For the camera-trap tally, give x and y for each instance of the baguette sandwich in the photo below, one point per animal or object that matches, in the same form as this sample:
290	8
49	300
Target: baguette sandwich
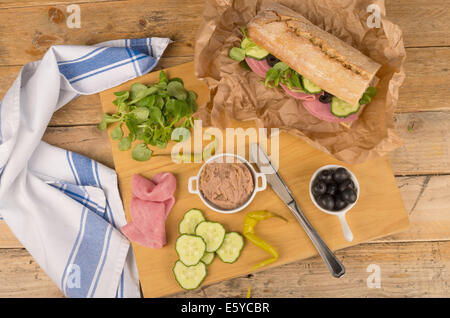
332	78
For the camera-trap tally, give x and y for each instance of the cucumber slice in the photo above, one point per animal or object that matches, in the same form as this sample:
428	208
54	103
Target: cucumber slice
237	54
256	52
231	248
208	258
340	108
310	87
189	277
190	220
246	43
190	249
212	232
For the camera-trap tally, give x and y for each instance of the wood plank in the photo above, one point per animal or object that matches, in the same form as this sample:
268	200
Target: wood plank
407	270
21	276
99	22
33	3
426	86
427	144
427	201
423	22
42	26
420	269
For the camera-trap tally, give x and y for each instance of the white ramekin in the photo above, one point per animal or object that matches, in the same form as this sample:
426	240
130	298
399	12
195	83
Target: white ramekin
341	214
223	158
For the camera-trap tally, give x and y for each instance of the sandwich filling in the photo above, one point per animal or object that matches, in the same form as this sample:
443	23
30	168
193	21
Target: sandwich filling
277	73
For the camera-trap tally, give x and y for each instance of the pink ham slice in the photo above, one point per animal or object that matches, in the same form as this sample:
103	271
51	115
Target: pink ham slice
310	102
150	205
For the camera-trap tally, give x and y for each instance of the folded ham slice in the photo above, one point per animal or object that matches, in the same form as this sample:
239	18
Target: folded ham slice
150	205
310	101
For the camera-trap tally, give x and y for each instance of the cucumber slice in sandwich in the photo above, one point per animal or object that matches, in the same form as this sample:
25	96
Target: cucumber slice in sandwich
213	233
208	258
231	248
340	108
310	87
189	277
247	43
252	50
256	52
190	220
190	249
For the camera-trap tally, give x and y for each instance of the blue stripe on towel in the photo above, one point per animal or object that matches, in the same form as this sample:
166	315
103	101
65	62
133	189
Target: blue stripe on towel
83	168
105	58
140	45
110	68
93	249
80	229
89	254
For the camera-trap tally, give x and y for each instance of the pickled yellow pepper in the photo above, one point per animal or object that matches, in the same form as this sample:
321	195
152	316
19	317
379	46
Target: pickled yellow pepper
250	221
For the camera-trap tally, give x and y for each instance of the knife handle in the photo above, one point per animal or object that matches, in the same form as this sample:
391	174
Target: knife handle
334	265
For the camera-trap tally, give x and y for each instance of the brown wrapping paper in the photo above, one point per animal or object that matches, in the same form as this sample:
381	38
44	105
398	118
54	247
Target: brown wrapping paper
238	94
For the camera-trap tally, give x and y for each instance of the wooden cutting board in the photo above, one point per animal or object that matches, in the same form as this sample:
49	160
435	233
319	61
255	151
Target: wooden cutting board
378	212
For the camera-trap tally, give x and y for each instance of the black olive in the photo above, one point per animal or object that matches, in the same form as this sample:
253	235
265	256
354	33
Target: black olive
340	175
348	195
332	188
319	188
325	98
326	201
339	204
326	176
346	184
272	60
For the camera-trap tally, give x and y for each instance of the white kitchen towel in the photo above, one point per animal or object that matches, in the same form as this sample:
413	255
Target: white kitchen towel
63	207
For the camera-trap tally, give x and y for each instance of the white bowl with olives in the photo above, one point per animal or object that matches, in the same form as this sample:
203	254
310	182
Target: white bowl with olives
335	190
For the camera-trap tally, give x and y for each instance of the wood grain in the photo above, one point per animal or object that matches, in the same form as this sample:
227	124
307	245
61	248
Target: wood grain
103	20
33	3
427	143
423	22
407	270
420	269
37	30
21	276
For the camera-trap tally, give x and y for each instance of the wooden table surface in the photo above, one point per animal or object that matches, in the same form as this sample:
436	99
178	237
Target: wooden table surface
415	263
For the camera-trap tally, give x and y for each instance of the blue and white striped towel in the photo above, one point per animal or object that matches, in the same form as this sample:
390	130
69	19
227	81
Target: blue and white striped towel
63	207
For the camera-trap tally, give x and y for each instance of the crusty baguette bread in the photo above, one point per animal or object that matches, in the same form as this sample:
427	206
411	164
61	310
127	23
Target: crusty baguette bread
329	62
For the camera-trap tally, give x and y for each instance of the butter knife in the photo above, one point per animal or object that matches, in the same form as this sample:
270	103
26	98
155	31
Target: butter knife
260	158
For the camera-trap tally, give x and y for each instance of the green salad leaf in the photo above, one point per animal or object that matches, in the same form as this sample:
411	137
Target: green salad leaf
141	152
370	93
151	114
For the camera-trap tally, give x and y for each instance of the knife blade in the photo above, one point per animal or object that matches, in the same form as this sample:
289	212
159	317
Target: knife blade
262	161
